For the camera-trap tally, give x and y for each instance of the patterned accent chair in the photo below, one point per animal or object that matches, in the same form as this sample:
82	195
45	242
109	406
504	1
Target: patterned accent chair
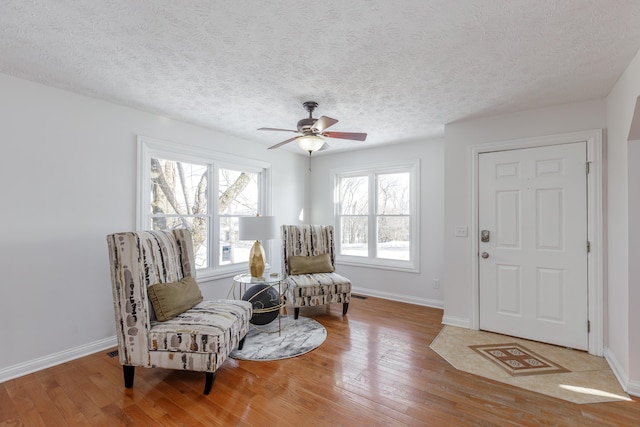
199	339
317	288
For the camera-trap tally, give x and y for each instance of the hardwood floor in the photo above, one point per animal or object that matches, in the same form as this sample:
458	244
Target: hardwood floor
375	368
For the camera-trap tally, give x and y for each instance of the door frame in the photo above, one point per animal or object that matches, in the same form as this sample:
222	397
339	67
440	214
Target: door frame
595	223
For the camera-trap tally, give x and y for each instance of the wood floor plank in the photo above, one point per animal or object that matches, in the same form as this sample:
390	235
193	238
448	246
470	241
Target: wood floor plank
63	402
138	416
8	411
18	392
375	369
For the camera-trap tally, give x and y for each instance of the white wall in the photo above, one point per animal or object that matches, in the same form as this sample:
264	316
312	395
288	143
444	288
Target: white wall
459	137
633	301
68	178
623	235
401	286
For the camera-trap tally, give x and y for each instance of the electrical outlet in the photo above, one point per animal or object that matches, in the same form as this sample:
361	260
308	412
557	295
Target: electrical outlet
461	231
436	283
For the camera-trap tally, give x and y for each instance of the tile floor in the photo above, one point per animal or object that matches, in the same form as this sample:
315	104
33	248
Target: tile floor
589	380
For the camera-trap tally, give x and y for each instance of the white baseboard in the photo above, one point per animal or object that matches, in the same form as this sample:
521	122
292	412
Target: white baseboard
633	388
44	362
630	386
618	371
398	297
456	321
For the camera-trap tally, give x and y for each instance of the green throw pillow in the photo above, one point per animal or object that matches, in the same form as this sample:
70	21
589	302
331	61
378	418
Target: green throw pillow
310	264
171	299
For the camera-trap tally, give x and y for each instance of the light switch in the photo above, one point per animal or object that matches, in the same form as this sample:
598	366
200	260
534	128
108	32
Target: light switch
461	231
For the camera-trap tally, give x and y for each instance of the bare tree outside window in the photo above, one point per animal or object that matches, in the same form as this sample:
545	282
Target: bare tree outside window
179	199
237	196
393	216
354	215
381	200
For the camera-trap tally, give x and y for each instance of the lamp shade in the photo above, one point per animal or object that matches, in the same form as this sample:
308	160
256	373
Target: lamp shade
310	143
257	228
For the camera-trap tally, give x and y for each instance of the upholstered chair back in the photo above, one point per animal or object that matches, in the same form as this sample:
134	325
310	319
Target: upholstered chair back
306	240
311	286
139	260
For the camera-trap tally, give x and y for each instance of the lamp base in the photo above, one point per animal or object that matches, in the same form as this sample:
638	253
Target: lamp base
256	260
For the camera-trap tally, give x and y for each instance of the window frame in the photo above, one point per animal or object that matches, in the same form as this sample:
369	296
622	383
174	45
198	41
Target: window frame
371	260
149	148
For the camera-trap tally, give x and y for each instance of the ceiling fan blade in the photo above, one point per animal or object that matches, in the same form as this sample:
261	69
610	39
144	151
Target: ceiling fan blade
276	129
355	136
280	144
322	123
324	147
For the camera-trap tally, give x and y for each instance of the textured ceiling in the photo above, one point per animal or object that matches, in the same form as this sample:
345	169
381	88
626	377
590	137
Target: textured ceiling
398	70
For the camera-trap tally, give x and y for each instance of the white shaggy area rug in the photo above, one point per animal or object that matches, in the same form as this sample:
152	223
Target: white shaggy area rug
296	337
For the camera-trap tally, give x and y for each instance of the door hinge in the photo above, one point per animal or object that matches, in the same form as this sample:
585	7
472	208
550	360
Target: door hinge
588	167
588	326
588	246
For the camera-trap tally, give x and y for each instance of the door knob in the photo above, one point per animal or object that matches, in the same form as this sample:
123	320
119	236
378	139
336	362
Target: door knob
484	255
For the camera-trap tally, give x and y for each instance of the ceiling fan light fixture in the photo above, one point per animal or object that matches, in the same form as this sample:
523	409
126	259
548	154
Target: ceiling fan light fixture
312	130
310	143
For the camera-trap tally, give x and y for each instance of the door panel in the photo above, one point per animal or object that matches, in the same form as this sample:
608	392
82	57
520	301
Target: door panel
508	289
534	282
549	217
508	211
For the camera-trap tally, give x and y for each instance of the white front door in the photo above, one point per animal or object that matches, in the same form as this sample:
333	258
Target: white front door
533	263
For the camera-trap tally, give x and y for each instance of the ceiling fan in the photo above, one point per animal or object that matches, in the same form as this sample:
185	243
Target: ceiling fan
312	130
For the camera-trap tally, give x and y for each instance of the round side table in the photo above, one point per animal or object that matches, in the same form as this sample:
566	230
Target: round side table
260	292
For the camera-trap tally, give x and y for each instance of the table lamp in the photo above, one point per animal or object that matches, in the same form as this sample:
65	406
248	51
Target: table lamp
257	228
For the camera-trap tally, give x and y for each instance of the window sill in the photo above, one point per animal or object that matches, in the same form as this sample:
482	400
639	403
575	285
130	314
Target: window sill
210	274
378	265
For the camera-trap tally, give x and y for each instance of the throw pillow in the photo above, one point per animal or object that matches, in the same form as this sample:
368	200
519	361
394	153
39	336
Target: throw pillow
170	299
310	264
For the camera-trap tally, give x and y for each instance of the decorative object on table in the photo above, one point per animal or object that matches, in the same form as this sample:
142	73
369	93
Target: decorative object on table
297	338
267	300
257	228
161	319
266	303
308	259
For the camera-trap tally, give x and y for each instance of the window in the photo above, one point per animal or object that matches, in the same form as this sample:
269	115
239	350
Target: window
376	216
206	192
237	196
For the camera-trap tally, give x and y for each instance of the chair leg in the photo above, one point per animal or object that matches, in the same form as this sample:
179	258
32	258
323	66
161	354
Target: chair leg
128	372
345	307
296	312
241	343
209	378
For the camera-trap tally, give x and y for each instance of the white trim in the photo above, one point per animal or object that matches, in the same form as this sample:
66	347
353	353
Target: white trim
208	274
456	321
197	152
152	147
149	147
616	367
595	231
54	359
373	263
633	388
398	297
